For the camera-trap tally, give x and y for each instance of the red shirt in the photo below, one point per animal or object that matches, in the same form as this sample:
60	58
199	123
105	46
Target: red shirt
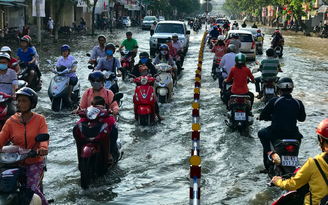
239	85
25	31
173	51
13	60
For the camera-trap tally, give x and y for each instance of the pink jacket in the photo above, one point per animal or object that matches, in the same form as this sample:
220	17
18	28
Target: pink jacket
219	51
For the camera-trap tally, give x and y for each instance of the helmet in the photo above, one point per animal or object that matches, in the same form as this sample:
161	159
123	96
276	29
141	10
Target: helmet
102	36
65	48
31	94
128	33
285	83
322	129
27	40
175	35
143	68
110	46
236	35
240	58
96	75
164	46
27	36
231	48
168	39
143	55
215	27
277	31
258	30
5	49
221	38
5	55
270	52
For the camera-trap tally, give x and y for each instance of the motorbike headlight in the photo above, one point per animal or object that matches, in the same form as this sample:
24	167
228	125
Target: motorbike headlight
143	81
8	158
59	78
92	113
151	97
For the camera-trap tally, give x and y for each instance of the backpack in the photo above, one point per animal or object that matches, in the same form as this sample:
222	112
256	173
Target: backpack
324	200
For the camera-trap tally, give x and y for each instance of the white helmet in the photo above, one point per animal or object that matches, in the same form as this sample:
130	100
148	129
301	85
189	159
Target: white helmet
221	38
5	49
5	55
175	35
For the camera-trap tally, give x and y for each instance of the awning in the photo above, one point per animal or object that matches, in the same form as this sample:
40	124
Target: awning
322	9
21	4
6	4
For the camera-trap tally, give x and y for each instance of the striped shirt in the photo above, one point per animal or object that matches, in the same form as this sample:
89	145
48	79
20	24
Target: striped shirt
269	68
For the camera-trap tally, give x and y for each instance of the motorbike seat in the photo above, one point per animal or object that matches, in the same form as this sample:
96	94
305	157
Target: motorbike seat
93	131
240	96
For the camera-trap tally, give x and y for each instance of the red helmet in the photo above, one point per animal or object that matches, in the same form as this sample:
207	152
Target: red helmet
258	30
27	36
322	129
277	31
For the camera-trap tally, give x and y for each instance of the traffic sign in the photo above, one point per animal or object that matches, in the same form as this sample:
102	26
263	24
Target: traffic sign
207	7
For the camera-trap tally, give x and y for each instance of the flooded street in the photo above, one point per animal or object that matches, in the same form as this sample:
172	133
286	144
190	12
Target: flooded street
155	165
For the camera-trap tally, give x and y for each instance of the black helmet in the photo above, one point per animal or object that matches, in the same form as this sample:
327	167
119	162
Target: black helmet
31	94
231	48
110	46
96	75
102	36
285	83
270	52
168	39
128	33
143	55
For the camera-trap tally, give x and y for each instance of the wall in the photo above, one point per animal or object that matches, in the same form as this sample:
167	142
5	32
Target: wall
15	16
67	16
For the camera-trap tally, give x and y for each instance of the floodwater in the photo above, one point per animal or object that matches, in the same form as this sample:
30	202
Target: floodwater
155	165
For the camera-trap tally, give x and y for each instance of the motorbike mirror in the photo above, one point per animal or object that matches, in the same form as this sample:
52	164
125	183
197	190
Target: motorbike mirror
188	32
90	67
117	46
88	54
14	65
42	137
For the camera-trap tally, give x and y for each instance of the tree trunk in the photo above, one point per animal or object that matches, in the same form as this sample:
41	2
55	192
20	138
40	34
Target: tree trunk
304	27
93	16
58	11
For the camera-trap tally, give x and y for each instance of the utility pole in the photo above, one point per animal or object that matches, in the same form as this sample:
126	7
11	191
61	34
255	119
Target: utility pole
38	21
140	12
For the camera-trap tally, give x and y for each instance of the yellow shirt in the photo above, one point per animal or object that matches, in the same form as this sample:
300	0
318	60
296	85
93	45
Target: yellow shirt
309	173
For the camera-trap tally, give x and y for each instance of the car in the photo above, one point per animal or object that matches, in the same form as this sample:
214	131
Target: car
161	18
165	29
126	21
220	22
148	22
248	46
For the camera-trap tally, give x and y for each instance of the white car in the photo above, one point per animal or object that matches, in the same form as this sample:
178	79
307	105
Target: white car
161	18
126	21
248	46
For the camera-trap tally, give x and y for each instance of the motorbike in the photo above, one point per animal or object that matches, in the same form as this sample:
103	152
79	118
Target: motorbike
23	76
324	32
212	42
239	114
191	24
58	86
13	175
144	99
259	47
196	27
126	62
94	62
93	143
4	100
269	89
216	71
10	35
278	49
164	88
80	29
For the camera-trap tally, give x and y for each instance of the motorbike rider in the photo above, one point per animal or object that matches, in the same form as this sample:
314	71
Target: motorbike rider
98	51
152	28
12	60
34	49
178	45
8	82
259	36
97	79
66	60
254	25
276	41
284	112
269	68
309	172
174	53
226	25
165	57
130	44
144	60
235	40
21	129
214	33
235	26
227	62
239	73
219	48
26	54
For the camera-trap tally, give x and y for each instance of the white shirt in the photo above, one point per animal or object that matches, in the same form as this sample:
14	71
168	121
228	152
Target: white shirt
227	62
51	24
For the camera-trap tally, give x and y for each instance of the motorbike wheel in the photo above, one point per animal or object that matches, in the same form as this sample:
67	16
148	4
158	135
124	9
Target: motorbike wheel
162	99
144	120
85	173
55	105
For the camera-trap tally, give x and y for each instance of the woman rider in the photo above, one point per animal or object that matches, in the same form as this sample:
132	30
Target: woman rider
21	129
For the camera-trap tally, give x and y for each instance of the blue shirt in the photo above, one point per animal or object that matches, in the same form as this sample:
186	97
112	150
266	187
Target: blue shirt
7	81
62	62
106	64
97	52
25	56
215	33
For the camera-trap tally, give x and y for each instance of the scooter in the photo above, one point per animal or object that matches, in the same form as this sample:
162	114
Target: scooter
278	49
196	28
164	88
93	143
269	89
4	100
126	62
259	47
216	72
36	82
13	175
58	86
212	42
144	99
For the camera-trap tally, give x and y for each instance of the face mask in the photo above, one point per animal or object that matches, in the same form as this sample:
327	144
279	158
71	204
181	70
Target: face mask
109	52
143	60
163	52
96	85
3	66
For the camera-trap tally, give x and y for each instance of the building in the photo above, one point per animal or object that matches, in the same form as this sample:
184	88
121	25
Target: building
12	12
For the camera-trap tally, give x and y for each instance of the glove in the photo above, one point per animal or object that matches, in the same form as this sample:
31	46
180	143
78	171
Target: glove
131	80
158	78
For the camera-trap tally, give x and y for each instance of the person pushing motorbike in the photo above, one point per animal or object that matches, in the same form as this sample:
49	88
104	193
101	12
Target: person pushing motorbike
284	112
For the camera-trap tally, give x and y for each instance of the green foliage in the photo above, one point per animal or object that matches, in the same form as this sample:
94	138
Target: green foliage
167	6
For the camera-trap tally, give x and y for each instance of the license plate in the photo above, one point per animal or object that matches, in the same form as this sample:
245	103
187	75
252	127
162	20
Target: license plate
277	51
240	116
289	161
269	90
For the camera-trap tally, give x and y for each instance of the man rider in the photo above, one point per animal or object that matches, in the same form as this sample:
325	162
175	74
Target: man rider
8	82
130	44
226	25
98	51
235	41
276	40
110	63
214	33
254	25
178	45
269	68
227	62
284	112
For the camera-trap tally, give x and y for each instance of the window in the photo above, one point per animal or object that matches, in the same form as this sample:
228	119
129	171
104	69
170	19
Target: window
169	28
150	18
